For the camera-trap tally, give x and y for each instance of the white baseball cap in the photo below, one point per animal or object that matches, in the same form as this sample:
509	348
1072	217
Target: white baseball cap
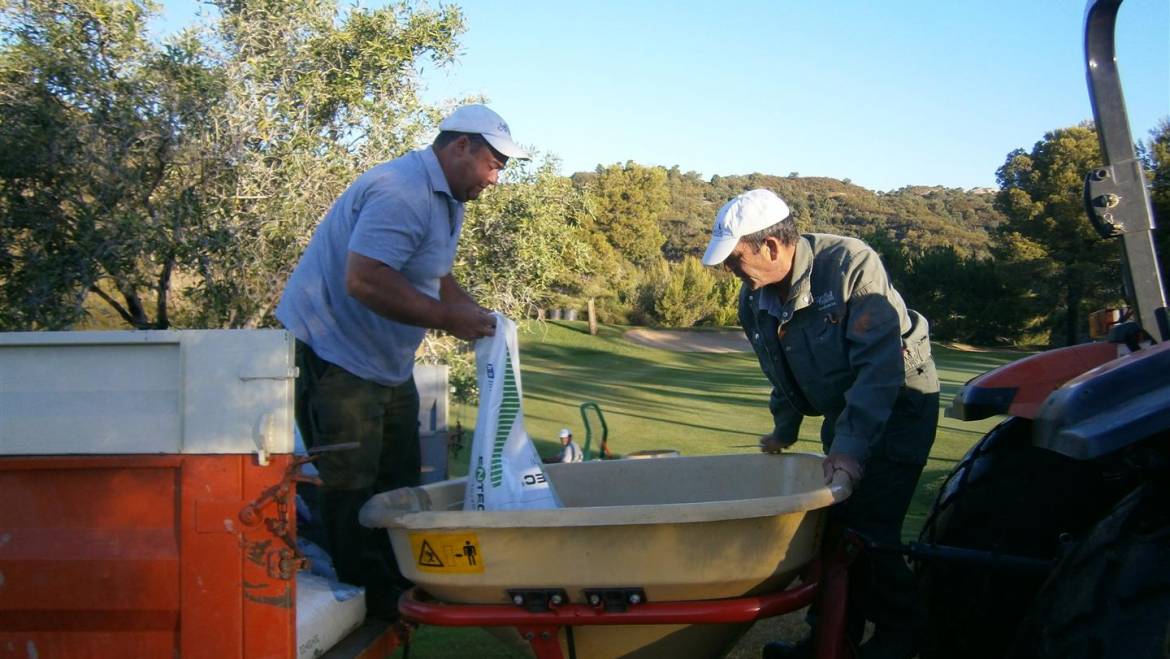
565	433
752	211
481	119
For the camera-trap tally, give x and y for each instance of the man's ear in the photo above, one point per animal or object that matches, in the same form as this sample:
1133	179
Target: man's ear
772	244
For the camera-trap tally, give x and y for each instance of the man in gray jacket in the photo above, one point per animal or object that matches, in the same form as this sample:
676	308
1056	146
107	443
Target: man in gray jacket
836	340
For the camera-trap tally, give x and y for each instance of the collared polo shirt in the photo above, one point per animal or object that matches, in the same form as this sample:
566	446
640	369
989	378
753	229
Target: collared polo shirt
401	213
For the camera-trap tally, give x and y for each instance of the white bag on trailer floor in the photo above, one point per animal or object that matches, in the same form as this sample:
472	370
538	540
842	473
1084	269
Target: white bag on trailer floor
326	612
504	471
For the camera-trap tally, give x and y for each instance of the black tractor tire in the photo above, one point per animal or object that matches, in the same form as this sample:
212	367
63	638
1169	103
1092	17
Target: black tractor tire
1110	597
1006	496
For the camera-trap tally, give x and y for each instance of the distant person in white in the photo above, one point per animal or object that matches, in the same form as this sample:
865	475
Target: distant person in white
570	452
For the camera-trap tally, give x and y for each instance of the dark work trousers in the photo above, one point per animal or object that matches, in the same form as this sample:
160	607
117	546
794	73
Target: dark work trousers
333	406
881	586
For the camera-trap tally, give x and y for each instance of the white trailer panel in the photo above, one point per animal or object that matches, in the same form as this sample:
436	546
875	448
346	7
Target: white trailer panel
187	391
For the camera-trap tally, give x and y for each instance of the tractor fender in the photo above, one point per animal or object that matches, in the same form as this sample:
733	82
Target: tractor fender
1019	388
1108	407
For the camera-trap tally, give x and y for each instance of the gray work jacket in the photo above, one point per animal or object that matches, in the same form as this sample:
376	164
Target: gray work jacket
842	344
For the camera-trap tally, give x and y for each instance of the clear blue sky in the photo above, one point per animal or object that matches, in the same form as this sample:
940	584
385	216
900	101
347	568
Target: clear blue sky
886	93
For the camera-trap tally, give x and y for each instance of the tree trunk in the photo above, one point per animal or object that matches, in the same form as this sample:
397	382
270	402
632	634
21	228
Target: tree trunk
163	291
592	319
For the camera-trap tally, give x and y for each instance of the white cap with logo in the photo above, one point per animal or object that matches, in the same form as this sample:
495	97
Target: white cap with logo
481	119
565	433
752	211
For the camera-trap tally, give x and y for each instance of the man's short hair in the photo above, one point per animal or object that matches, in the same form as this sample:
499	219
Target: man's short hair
784	231
477	142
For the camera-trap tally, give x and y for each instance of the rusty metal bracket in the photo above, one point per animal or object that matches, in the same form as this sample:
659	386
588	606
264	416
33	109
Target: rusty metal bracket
284	562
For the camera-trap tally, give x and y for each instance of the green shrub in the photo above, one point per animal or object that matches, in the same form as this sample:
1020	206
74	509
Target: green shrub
726	313
688	294
647	290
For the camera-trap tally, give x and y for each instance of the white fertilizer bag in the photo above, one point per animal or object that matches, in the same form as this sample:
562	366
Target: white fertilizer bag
505	471
326	612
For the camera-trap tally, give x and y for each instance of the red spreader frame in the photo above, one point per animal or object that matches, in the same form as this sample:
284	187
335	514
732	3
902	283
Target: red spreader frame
823	584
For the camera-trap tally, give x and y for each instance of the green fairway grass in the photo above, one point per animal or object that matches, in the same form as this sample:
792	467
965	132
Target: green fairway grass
696	403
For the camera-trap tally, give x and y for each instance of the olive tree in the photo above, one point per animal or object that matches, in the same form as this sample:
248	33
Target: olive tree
313	96
130	169
101	185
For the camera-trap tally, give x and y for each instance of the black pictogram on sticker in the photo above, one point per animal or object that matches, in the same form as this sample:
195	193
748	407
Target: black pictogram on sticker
428	557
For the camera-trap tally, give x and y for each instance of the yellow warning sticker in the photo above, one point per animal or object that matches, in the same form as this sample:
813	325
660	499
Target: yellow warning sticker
447	552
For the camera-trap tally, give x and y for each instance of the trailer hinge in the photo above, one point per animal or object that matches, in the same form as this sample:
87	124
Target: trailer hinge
267	432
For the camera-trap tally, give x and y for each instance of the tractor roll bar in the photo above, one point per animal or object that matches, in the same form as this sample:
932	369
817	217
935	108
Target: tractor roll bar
1116	197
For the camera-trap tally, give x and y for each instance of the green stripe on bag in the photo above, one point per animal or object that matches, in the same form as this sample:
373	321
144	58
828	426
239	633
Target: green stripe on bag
509	408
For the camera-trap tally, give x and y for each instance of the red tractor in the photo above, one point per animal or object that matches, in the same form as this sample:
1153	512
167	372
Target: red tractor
1051	538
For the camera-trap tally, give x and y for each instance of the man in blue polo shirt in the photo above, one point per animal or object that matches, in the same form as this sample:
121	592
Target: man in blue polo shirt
375	276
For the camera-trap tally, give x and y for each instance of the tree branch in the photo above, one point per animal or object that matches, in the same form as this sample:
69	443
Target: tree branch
113	303
137	312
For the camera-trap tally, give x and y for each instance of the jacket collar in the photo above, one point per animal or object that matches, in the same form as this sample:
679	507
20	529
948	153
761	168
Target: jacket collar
802	265
799	294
